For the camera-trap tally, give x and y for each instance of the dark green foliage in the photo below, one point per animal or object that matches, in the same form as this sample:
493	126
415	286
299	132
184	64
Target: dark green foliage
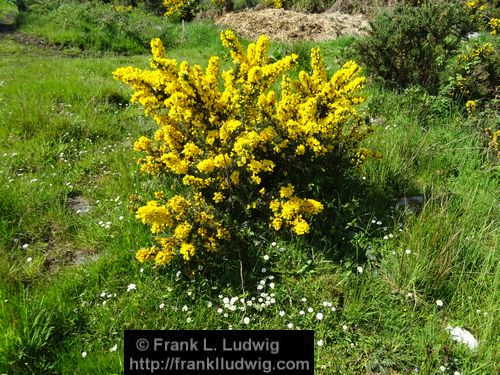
474	73
410	44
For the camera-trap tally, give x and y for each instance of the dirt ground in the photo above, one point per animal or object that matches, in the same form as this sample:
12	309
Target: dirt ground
288	25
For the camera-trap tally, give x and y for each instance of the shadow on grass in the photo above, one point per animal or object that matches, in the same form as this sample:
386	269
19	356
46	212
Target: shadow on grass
340	234
8	24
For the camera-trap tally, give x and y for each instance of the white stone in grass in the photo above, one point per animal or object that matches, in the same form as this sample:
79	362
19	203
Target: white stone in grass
462	335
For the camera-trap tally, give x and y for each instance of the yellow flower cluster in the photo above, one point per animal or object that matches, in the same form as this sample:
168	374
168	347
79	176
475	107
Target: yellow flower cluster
485	14
192	226
465	80
293	211
173	6
483	50
476	5
234	145
494	140
494	25
471	107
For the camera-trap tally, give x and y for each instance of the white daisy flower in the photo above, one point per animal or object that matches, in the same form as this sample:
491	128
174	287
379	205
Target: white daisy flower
131	287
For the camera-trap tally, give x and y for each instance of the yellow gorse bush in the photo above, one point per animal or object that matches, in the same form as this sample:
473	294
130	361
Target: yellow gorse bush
236	144
174	6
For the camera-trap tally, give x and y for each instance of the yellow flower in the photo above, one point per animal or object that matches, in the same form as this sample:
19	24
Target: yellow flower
163	257
145	254
494	25
287	191
311	206
155	215
235	177
218	197
183	230
276	223
187	251
300	150
471	106
300	227
191	150
206	165
274	205
142	144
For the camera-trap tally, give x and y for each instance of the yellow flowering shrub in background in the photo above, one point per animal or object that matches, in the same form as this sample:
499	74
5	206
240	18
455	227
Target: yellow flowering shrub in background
473	74
241	150
183	9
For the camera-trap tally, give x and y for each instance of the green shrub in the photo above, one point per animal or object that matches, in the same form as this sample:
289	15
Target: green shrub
410	44
474	73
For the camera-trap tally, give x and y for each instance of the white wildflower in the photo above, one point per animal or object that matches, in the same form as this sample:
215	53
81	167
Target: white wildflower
131	287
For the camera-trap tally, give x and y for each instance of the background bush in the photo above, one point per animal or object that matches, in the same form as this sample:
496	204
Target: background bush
409	44
474	73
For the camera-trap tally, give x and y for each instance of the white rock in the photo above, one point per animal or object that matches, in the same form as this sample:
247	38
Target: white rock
462	335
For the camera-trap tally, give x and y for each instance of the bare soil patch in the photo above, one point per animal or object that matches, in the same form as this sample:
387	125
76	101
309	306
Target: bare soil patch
288	25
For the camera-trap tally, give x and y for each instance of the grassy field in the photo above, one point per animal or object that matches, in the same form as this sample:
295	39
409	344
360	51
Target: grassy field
69	185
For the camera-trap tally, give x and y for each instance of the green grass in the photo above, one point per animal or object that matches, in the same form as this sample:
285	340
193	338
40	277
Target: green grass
66	131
